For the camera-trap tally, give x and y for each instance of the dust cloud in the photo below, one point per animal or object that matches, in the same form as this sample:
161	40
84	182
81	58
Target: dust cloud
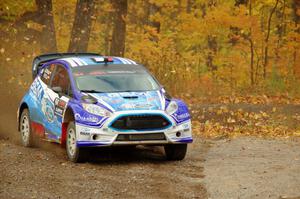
10	99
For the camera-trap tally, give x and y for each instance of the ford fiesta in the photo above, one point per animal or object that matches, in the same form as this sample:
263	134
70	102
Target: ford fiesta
86	100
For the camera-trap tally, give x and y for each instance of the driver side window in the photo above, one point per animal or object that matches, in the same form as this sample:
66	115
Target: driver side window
61	79
47	73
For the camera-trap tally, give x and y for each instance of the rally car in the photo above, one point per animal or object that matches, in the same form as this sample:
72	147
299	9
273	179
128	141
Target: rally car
85	100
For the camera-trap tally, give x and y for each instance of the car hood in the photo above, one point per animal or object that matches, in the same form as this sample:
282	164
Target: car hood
146	100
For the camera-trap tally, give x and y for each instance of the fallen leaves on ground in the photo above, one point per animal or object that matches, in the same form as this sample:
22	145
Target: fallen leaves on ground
221	121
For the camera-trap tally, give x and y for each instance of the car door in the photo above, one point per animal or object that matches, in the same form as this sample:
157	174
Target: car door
58	94
38	88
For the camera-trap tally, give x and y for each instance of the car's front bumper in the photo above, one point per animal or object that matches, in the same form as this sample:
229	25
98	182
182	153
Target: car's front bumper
104	135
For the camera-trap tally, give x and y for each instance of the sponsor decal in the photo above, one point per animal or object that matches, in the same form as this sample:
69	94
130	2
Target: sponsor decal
150	99
186	126
47	109
94	73
78	74
84	133
121	72
105	98
183	116
127	106
185	130
59	106
113	95
143	106
138	106
116	101
37	89
86	119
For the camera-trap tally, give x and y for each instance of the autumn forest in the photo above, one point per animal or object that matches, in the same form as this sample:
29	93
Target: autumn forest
193	46
234	63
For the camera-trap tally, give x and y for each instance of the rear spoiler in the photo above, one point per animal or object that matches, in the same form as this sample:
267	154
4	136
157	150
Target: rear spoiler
41	59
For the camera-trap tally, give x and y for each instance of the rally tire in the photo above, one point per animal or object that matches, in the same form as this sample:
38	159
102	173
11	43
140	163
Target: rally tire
74	153
175	151
27	137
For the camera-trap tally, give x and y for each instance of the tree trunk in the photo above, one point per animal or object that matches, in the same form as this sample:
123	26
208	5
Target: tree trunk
213	48
212	43
281	30
296	9
251	49
48	38
266	56
241	2
82	26
117	47
189	5
151	10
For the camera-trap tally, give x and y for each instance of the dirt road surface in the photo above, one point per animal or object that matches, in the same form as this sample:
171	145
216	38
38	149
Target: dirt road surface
142	173
253	168
240	168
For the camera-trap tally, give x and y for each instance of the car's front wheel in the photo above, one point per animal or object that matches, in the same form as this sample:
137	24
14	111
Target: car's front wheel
25	129
75	153
175	151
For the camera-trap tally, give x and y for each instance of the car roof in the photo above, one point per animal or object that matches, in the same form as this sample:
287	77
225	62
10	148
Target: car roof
80	61
111	67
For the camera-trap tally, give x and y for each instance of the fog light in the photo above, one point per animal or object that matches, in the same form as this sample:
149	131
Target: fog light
95	137
178	134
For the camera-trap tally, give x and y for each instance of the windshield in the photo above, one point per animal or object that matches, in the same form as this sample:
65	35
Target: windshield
112	81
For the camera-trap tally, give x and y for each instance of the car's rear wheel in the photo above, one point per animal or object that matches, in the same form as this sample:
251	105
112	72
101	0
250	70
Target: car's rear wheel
25	129
75	153
175	151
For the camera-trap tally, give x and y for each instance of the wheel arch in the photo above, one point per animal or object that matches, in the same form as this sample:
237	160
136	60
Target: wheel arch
22	107
68	117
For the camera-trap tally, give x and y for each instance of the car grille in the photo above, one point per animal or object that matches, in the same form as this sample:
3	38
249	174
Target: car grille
141	137
141	122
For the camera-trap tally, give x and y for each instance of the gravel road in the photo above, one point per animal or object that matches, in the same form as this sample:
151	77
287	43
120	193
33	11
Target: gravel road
238	168
141	173
253	168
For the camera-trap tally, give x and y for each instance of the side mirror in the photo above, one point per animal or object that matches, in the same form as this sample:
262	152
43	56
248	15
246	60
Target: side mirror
57	89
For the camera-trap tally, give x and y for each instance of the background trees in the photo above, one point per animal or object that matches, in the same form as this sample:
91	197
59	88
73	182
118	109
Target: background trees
205	46
117	47
82	26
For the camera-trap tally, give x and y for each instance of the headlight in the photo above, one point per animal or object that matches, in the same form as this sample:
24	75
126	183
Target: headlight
96	110
172	108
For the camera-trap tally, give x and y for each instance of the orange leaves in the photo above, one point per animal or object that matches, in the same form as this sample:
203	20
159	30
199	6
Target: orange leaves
262	116
242	123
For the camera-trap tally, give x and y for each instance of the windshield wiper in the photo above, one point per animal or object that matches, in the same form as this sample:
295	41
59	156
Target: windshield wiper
91	91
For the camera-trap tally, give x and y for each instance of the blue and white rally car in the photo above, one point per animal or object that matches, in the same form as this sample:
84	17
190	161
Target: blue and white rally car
84	100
